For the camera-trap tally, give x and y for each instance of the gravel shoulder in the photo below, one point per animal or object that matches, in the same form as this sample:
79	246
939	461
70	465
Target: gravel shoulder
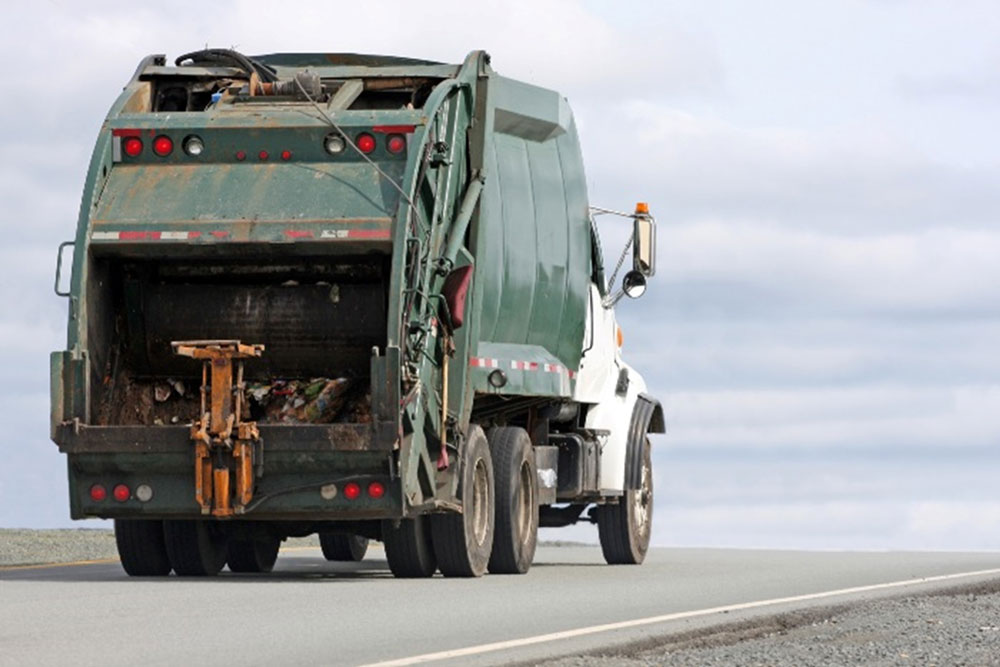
957	626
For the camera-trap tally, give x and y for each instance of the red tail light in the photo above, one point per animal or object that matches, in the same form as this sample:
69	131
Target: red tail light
376	489
163	145
121	493
352	490
366	142
132	146
98	493
396	143
263	155
286	155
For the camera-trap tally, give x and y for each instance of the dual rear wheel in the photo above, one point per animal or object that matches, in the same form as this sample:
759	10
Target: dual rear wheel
498	527
150	548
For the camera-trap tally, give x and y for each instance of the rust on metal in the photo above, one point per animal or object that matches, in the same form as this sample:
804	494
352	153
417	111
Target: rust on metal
223	468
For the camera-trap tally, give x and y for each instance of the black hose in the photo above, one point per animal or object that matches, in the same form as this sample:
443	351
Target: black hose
230	58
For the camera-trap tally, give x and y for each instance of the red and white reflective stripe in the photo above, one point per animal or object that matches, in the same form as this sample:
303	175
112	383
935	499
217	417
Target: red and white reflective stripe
326	234
354	234
483	362
136	235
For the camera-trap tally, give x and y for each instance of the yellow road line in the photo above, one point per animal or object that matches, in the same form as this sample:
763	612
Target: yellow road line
72	563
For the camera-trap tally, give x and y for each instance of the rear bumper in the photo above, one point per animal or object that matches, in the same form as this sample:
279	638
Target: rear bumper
298	461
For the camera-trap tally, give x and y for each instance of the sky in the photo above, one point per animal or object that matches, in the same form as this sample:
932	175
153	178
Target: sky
823	325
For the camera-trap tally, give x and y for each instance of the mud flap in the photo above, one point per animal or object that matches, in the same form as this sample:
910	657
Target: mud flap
647	417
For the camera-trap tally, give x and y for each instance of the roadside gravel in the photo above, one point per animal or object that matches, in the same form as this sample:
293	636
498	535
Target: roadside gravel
960	628
35	547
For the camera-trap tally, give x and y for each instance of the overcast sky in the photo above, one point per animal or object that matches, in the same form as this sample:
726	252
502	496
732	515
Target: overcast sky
823	326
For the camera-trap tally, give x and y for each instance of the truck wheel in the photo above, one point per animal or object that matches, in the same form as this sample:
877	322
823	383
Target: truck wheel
195	548
340	547
625	528
252	555
516	530
141	547
463	542
408	548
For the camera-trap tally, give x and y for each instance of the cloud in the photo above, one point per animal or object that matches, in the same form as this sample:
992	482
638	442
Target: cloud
848	179
868	417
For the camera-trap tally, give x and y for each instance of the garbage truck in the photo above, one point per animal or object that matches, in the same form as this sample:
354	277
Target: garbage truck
356	296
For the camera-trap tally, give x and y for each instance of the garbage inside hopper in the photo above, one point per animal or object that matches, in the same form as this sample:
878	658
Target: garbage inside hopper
178	401
315	401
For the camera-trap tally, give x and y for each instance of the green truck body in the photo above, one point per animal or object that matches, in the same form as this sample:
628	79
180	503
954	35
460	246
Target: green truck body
419	230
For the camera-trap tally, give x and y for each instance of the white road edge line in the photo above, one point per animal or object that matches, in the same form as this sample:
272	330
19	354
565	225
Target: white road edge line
607	627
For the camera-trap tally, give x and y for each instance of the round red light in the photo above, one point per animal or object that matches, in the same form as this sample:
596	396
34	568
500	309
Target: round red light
396	143
352	490
163	145
132	146
366	142
376	489
121	493
98	492
263	156
286	155
241	155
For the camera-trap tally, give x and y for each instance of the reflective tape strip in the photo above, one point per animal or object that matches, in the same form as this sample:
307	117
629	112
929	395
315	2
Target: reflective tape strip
483	362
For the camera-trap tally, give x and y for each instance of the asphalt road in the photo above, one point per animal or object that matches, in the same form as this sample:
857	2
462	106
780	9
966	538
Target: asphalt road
309	611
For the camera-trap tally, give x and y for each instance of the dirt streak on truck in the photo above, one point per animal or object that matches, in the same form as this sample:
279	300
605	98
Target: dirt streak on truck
359	296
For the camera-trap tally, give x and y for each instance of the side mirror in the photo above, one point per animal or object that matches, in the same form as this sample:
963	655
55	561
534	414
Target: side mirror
634	284
644	245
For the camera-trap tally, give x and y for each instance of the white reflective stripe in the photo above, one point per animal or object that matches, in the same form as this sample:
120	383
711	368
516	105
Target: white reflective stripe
333	234
665	618
174	236
104	236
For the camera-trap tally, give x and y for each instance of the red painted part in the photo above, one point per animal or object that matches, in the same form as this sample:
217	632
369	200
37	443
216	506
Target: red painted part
298	234
126	133
394	129
138	236
456	286
220	235
368	234
193	235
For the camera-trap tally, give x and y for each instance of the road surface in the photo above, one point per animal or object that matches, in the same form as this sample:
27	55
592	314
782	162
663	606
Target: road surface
310	611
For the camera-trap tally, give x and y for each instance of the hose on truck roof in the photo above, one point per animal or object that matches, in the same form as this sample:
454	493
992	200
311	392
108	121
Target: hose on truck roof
228	57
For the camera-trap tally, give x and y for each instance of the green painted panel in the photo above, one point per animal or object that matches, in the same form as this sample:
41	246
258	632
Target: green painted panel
532	237
296	192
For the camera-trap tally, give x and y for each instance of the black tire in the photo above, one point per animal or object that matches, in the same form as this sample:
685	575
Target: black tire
463	542
195	548
625	528
343	547
408	548
252	555
515	533
141	547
